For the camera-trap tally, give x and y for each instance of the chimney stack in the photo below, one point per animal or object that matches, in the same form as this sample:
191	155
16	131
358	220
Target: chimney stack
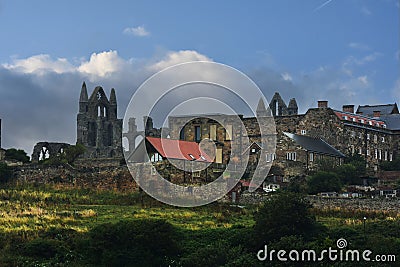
377	113
322	104
348	108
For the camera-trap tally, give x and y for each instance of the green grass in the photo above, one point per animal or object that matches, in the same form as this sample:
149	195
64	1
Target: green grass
61	218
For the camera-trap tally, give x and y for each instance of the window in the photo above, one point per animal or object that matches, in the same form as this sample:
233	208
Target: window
197	133
360	150
386	156
303	132
253	150
311	157
383	139
391	157
375	138
370	123
196	174
376	153
367	152
345	117
270	157
191	156
354	119
213	132
380	154
291	156
352	149
368	136
182	134
384	125
202	157
360	135
218	155
155	157
362	121
228	132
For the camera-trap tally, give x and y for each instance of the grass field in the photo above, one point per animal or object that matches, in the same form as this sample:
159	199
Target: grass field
47	217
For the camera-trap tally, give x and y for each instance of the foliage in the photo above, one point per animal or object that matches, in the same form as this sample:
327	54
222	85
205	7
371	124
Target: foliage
284	214
73	152
16	154
323	182
391	165
358	162
60	226
5	172
145	242
347	174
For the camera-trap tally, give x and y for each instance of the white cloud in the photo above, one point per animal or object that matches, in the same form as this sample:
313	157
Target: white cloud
173	58
136	31
363	80
350	62
103	64
40	64
359	46
365	11
286	76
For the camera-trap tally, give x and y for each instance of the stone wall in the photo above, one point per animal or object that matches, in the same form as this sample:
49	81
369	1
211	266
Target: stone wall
104	178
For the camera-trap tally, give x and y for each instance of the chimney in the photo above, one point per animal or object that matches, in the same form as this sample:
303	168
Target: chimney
322	104
348	108
377	113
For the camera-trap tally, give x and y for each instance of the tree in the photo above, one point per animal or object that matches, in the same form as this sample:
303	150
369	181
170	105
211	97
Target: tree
323	182
73	152
347	173
5	172
359	163
391	165
284	214
16	154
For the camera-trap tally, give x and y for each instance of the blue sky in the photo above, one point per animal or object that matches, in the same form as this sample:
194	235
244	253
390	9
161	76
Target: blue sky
344	51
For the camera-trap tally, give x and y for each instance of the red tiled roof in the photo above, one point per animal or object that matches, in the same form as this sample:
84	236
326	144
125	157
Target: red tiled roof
178	149
358	118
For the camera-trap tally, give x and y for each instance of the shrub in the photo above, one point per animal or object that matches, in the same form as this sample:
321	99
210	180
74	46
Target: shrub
135	242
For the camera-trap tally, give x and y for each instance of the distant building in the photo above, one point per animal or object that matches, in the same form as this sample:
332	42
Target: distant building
98	127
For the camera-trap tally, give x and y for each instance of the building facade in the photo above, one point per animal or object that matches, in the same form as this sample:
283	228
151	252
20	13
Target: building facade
98	127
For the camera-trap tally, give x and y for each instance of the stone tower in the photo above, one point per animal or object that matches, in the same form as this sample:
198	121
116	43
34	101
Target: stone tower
98	127
279	108
292	107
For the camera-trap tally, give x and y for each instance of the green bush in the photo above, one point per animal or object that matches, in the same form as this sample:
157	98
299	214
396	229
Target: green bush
16	154
285	214
132	243
323	182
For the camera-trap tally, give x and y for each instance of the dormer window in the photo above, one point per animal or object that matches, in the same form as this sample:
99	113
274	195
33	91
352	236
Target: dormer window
202	157
354	119
303	132
370	123
361	121
190	155
345	117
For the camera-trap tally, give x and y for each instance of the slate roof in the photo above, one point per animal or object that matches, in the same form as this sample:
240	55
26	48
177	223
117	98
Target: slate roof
392	121
384	109
178	149
316	145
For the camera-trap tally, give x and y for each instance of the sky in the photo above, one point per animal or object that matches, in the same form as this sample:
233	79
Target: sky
343	51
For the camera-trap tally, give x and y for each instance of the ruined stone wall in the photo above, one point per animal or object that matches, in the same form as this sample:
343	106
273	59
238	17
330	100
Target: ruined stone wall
105	178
